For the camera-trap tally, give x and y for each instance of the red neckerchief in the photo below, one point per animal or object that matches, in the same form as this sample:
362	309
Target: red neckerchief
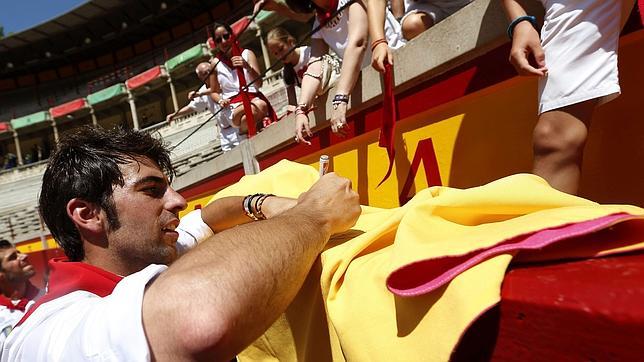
31	292
389	116
66	277
325	15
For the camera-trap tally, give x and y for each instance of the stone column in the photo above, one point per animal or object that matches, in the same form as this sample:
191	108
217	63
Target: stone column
135	117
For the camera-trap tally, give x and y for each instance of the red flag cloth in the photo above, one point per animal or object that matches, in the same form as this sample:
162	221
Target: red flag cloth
67	108
325	15
248	111
145	77
66	277
640	5
389	116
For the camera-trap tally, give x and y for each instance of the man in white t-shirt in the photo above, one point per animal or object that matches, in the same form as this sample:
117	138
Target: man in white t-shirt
201	100
575	59
18	294
107	200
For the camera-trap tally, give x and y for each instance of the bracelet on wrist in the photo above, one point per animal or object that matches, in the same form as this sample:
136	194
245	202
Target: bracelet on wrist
339	99
377	42
252	206
515	22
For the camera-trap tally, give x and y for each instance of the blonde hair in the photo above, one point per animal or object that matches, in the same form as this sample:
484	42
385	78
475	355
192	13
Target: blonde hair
280	34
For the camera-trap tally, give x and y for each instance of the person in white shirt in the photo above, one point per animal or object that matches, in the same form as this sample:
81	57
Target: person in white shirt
347	35
18	293
123	294
201	100
279	41
574	55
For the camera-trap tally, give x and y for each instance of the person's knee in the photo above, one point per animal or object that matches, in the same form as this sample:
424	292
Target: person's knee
415	24
551	137
260	108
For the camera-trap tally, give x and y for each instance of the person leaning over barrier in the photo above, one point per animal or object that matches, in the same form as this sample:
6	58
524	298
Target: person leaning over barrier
201	100
347	35
108	202
575	58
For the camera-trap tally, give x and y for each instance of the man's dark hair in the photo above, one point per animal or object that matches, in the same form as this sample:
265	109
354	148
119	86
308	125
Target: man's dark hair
301	6
5	244
85	165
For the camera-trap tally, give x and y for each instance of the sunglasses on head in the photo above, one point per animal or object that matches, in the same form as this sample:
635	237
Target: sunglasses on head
219	39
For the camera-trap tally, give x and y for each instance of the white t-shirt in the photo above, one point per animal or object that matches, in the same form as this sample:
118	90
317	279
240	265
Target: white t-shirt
228	80
229	136
336	32
303	62
9	318
82	326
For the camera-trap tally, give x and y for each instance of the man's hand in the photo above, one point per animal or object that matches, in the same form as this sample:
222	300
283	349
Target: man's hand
381	55
192	95
526	43
333	202
169	117
302	128
338	120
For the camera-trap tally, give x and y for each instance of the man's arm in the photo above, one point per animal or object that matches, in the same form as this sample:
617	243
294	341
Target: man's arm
526	43
187	109
228	212
222	295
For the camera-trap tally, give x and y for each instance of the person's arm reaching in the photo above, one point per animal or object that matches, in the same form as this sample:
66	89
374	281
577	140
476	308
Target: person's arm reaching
280	8
310	84
351	61
381	53
223	294
187	109
526	43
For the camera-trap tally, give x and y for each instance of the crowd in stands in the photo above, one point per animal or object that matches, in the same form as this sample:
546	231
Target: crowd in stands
108	202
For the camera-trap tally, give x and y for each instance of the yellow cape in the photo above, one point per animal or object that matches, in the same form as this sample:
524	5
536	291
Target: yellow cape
344	310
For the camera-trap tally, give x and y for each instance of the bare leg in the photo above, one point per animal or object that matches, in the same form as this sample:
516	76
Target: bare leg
259	108
415	24
558	143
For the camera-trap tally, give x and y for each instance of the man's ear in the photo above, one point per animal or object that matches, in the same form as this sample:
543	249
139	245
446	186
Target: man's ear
85	215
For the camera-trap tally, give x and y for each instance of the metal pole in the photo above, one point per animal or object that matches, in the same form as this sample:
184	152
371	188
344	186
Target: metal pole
173	94
135	117
53	125
93	114
267	58
17	143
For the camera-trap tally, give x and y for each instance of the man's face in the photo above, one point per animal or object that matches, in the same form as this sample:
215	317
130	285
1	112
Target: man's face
15	265
148	213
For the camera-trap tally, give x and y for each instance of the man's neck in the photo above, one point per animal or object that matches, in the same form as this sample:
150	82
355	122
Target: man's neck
15	290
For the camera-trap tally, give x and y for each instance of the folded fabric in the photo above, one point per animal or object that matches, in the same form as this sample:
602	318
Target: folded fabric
405	283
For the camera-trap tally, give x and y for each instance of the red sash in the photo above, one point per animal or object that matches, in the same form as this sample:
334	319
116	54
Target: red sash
31	292
389	116
66	277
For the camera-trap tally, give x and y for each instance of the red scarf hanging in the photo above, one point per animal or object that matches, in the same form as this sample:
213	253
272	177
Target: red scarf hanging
243	95
66	277
236	50
31	292
389	116
324	15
